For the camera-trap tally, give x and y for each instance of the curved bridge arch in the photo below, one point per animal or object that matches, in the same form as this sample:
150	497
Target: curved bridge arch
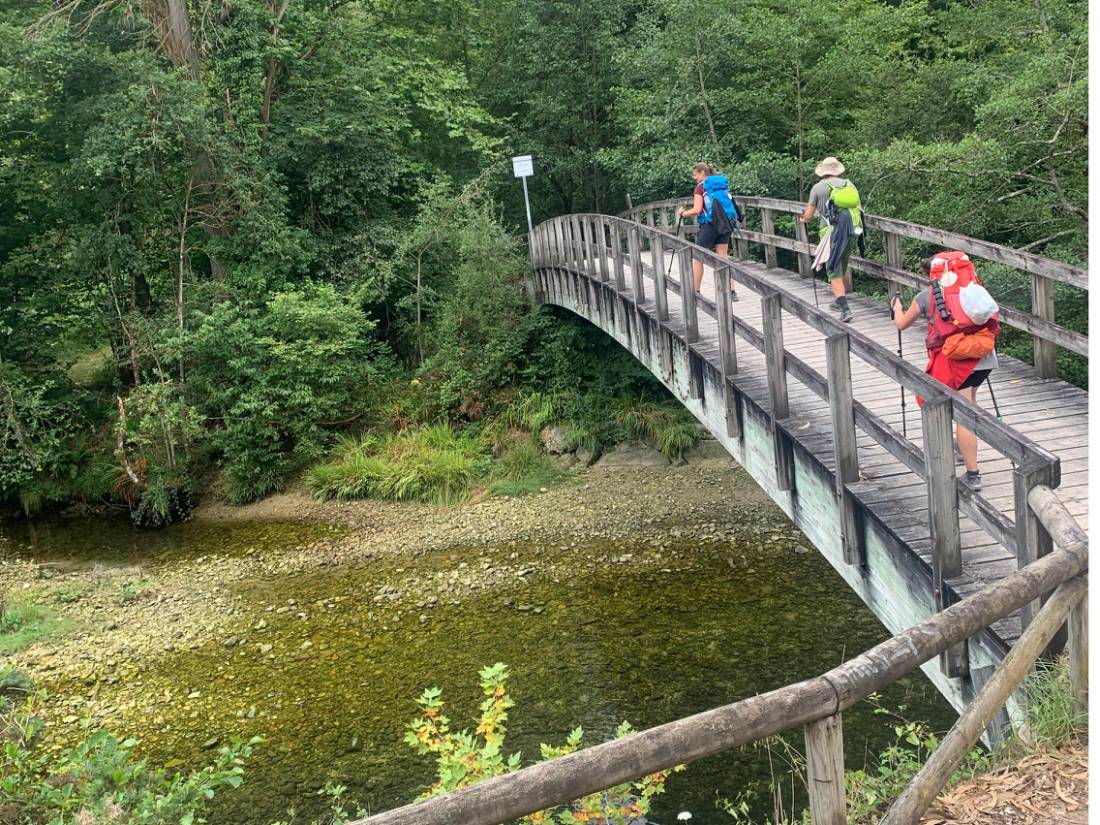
872	487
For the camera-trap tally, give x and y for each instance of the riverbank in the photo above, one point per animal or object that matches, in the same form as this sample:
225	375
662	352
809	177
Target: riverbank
628	592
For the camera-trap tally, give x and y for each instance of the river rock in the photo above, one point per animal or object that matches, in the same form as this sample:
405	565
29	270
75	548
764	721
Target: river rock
632	454
585	456
553	439
708	451
565	460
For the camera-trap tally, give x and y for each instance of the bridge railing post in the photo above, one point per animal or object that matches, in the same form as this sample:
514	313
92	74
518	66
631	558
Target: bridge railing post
775	358
727	353
804	259
637	277
1042	305
893	257
600	233
1032	539
767	226
688	296
617	255
578	242
660	288
845	449
943	515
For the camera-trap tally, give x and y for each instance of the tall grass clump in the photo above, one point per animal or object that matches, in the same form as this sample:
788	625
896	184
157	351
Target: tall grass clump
523	468
666	426
1052	715
433	464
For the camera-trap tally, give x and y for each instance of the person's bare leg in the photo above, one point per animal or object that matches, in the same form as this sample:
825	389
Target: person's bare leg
837	285
723	249
968	442
697	274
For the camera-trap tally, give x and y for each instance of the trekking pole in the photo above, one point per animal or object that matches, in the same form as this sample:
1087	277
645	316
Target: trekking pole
679	220
894	302
996	409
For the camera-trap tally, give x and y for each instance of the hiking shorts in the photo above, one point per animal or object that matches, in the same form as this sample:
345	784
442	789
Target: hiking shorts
852	243
975	379
708	238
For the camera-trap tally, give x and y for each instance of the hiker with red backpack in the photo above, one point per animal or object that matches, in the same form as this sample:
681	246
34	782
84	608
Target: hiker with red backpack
963	326
716	212
836	202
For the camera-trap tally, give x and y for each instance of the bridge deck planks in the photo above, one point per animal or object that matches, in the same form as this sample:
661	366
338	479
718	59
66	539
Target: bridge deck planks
1050	411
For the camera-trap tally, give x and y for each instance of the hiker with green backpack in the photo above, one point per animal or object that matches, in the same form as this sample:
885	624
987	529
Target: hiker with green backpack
836	202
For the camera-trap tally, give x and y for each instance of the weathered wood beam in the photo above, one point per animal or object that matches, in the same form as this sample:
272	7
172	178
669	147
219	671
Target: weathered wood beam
825	771
1010	673
845	450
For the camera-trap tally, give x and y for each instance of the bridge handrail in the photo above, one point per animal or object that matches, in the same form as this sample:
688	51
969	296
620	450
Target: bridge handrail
1013	445
816	703
1039	323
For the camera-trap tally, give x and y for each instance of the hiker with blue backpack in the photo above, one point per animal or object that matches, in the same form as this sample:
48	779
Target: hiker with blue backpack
836	202
716	213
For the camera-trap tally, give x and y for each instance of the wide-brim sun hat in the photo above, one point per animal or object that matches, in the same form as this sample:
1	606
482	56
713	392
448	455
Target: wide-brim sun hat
829	166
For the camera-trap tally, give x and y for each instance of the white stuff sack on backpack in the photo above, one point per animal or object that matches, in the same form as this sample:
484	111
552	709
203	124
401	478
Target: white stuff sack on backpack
977	303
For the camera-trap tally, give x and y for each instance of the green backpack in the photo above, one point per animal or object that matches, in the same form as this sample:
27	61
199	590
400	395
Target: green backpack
845	196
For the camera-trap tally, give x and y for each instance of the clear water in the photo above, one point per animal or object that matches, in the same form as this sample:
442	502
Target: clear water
611	642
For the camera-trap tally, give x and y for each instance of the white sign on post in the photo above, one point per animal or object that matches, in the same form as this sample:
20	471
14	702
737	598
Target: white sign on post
523	167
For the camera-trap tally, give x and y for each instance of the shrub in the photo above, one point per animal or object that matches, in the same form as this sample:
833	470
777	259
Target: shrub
101	781
665	425
523	468
276	377
465	758
432	464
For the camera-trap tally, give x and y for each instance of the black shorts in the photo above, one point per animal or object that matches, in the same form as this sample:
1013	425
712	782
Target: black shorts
708	238
975	379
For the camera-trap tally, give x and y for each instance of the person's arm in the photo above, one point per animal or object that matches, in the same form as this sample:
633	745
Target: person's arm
906	319
696	208
808	213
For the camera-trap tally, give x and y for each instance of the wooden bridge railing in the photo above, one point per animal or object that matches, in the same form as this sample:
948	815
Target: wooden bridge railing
1047	335
817	704
591	251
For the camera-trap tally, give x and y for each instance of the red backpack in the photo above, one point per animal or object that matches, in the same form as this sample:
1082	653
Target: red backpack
963	319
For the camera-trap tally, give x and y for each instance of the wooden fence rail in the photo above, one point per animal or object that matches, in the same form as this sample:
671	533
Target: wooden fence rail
1047	335
811	702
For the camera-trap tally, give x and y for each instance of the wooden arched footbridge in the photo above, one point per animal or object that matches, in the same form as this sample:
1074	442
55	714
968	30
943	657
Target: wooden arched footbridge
810	407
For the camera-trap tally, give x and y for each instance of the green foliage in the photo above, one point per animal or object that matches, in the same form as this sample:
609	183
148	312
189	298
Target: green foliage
274	375
101	781
23	622
1052	715
464	758
666	425
523	468
433	464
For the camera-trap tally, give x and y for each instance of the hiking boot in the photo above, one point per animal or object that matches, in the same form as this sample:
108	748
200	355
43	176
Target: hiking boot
845	314
733	295
972	480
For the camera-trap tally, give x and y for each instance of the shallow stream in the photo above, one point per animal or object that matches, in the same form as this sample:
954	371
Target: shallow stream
326	664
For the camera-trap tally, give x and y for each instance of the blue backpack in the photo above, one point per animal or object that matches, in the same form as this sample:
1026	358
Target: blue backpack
716	188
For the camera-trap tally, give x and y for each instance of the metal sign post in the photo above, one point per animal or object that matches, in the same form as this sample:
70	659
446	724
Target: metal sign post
523	167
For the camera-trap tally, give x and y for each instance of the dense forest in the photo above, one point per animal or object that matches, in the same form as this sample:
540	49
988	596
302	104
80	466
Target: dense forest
234	231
